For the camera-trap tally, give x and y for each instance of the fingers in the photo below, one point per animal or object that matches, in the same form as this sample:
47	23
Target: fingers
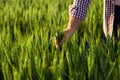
62	40
58	39
56	43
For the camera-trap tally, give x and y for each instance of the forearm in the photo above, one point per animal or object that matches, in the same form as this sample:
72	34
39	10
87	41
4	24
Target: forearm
73	25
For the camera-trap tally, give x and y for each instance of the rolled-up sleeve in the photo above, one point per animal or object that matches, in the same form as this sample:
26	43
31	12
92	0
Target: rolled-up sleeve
79	8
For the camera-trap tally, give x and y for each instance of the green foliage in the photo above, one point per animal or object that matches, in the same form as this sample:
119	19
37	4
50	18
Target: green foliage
27	51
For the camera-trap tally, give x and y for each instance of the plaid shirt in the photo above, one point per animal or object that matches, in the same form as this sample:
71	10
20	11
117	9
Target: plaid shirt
79	10
108	17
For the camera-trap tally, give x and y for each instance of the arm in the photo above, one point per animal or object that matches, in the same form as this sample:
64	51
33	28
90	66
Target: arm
73	25
78	12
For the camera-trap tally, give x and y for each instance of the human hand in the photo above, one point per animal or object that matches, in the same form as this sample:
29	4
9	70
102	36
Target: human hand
58	40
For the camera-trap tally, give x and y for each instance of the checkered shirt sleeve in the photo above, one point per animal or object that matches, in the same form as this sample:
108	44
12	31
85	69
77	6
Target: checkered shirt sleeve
109	9
79	8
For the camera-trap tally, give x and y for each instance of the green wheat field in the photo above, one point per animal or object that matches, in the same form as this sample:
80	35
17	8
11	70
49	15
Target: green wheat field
27	51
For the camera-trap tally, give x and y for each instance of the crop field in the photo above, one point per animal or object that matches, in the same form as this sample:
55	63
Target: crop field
27	51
